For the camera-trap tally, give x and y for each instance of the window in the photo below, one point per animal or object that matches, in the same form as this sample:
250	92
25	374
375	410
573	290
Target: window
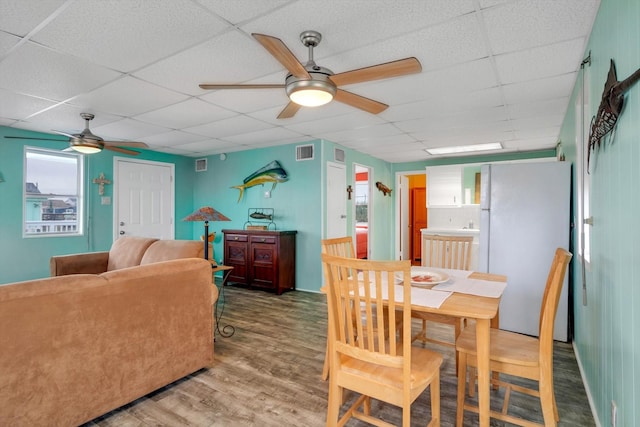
583	121
52	193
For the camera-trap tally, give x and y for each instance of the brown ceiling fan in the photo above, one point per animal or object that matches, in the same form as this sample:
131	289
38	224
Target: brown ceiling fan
86	142
312	85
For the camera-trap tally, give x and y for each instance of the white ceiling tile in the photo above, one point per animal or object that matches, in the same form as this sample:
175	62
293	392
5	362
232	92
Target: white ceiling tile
354	119
17	107
360	133
373	142
541	62
275	134
232	57
7	41
191	112
128	129
238	11
7	122
21	16
550	132
526	24
129	96
537	90
248	100
173	138
137	35
226	127
37	71
66	118
556	106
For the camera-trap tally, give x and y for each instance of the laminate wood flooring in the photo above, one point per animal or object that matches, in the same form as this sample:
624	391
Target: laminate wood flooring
268	374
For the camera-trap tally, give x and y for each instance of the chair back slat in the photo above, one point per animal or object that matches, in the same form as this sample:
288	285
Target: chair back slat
443	251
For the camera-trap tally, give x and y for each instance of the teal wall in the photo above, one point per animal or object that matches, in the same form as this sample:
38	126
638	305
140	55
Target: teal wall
607	329
28	258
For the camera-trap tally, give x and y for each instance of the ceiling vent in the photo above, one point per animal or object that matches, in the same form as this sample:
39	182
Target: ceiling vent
201	165
338	155
304	152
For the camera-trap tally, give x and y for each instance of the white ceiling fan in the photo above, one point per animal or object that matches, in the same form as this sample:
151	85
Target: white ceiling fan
86	142
312	85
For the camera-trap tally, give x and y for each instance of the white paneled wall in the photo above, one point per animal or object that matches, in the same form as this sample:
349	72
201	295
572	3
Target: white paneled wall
454	217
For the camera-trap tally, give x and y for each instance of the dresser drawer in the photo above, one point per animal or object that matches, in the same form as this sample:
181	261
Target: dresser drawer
236	237
268	240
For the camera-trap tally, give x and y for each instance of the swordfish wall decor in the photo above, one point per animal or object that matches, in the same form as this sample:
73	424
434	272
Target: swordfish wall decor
610	107
271	173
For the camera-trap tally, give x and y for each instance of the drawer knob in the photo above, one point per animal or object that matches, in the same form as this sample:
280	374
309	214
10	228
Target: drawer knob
235	238
263	239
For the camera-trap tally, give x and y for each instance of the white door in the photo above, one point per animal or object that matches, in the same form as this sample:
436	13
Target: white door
143	199
336	200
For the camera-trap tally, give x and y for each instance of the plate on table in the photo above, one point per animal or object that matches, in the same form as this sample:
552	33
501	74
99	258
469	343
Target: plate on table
428	278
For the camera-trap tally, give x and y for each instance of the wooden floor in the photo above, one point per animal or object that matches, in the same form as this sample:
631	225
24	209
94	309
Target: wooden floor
268	374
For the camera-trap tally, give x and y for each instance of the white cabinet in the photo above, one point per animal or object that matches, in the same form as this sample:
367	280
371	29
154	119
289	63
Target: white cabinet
444	186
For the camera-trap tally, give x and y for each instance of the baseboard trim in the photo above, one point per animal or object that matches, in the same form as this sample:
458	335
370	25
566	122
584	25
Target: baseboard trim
587	389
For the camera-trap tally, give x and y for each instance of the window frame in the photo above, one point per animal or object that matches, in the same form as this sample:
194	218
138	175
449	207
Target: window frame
79	196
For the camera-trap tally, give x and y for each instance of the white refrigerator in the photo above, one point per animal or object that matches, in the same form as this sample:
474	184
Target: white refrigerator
524	217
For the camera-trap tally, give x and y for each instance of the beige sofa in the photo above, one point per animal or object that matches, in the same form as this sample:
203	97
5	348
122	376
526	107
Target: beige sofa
79	345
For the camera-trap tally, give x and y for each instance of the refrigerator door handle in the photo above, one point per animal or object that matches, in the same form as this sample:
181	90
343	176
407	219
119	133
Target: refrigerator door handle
485	187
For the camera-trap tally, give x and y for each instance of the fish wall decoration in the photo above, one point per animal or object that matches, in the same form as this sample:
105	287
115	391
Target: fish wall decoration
271	173
385	190
610	107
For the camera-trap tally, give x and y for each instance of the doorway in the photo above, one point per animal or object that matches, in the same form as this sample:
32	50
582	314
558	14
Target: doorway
143	197
411	214
362	210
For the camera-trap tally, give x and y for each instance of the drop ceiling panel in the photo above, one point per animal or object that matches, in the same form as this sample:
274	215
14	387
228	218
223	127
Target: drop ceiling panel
232	57
527	24
537	90
128	96
127	129
7	41
541	62
266	135
556	106
18	107
137	35
38	71
238	11
67	118
248	100
172	139
20	17
191	112
232	126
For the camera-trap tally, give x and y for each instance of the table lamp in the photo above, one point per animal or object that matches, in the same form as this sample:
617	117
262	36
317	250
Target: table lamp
206	214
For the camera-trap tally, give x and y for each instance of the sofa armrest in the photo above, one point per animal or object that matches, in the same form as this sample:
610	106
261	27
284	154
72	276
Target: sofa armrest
85	263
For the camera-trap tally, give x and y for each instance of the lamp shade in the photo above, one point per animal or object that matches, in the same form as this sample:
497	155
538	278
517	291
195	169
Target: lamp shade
206	214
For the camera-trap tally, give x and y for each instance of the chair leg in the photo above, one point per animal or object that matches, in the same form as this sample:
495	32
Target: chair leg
325	366
456	331
435	401
333	406
462	379
547	401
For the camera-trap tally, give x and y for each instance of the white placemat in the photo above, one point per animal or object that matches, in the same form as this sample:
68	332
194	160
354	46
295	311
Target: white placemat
483	288
419	296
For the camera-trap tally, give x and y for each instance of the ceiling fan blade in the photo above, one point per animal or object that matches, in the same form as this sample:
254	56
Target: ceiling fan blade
289	111
35	139
357	101
377	72
125	144
211	86
281	52
121	150
64	133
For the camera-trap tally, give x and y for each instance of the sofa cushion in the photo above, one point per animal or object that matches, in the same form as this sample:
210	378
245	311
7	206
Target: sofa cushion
166	250
128	251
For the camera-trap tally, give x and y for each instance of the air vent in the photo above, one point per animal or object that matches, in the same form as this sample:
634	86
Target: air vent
201	165
304	152
338	155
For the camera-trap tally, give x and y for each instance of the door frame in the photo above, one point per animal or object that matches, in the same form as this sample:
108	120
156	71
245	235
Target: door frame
401	216
116	196
339	193
369	207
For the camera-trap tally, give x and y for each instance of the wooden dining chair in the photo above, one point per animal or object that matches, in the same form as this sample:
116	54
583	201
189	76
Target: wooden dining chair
343	247
518	355
366	356
440	251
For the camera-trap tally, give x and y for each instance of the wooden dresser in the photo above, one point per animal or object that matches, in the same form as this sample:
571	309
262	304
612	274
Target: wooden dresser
262	259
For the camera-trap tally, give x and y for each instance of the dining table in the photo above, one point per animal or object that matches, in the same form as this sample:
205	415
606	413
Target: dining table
473	295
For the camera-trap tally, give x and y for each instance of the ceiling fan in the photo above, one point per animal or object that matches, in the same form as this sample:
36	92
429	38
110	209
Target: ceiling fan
311	85
86	142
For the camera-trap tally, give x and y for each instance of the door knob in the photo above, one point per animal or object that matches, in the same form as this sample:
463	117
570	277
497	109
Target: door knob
121	223
342	216
121	232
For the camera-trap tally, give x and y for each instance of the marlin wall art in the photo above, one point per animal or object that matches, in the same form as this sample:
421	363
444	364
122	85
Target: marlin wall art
272	173
610	107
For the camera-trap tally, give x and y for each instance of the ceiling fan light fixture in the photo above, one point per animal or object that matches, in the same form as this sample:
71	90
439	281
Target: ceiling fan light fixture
86	147
311	93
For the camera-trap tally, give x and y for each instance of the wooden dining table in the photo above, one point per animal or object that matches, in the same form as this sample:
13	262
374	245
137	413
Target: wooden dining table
484	310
